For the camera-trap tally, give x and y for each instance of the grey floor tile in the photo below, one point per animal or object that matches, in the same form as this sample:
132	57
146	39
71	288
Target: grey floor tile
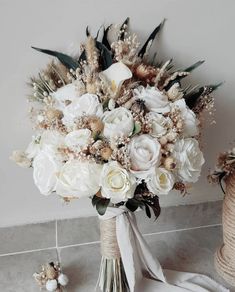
180	217
16	270
81	264
78	230
27	237
191	251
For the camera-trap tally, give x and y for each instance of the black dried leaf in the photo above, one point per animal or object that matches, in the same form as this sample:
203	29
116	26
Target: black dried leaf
94	200
150	39
192	98
221	177
194	66
87	31
82	57
105	41
153	203
66	60
123	29
106	59
147	210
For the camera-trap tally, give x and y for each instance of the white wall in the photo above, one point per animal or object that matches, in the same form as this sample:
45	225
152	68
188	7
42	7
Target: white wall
196	29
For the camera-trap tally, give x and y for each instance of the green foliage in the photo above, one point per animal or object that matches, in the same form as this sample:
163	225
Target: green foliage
66	60
101	204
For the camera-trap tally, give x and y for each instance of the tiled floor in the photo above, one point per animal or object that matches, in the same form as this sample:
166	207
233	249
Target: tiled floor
183	245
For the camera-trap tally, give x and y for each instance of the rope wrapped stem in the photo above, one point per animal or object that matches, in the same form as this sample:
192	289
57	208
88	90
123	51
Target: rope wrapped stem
225	255
112	277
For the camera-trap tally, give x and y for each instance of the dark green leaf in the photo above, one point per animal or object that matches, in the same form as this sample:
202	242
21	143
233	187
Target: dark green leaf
105	37
132	205
150	39
102	205
66	60
123	29
94	200
105	56
194	66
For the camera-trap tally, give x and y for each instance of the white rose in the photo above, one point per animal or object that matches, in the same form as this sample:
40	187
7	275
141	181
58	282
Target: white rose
49	140
144	154
189	159
63	94
154	99
87	104
161	181
79	179
78	139
45	169
118	122
159	124
191	123
117	183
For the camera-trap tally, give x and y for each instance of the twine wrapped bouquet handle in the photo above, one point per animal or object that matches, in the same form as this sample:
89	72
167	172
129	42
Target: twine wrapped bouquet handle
225	255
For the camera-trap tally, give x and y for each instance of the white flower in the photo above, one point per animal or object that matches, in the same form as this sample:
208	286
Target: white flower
51	285
63	94
191	123
49	140
118	122
189	159
45	169
144	154
154	99
79	179
175	92
117	183
78	139
161	181
63	279
159	124
87	104
20	158
117	73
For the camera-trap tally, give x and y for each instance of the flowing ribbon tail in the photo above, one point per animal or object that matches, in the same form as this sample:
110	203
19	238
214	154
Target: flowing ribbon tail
136	256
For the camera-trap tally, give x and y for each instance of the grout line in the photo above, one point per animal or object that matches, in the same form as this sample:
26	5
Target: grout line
183	229
96	242
27	251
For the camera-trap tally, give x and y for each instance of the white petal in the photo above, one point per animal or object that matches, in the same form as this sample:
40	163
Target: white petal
117	73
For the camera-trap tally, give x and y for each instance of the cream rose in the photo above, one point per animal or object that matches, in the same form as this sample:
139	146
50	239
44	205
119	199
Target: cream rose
160	182
78	139
154	99
87	104
175	92
190	127
159	124
118	122
117	183
79	179
45	169
189	159
144	154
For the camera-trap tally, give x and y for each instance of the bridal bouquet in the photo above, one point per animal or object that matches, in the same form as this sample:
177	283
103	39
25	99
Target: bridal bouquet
115	124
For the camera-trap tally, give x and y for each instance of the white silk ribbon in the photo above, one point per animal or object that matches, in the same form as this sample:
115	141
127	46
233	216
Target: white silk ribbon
143	271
